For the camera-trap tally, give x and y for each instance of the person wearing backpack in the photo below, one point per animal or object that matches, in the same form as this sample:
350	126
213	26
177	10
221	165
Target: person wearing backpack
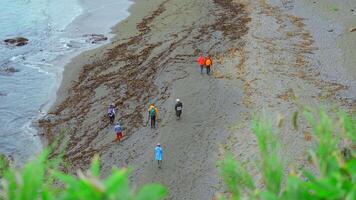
208	64
111	113
153	114
201	62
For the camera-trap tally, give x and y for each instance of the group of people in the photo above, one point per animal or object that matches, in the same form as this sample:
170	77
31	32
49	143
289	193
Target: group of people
153	112
152	116
204	63
117	127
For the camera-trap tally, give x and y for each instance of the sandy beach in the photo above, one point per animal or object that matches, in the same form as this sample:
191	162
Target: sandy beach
269	57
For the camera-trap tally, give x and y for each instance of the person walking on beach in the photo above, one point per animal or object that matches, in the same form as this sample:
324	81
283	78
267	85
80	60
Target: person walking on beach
118	131
201	62
208	64
179	108
153	114
111	113
159	155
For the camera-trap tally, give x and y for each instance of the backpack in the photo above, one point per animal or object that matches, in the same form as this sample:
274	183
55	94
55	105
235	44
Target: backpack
152	112
111	112
208	62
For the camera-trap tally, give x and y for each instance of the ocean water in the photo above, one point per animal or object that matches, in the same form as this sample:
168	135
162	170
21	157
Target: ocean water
26	95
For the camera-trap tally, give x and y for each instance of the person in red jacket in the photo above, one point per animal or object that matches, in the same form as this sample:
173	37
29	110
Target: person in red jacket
201	62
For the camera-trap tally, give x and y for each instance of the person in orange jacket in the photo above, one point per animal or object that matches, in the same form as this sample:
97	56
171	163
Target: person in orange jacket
201	62
208	64
153	115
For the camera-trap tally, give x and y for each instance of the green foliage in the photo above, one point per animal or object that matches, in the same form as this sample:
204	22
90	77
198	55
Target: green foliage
271	166
234	176
41	179
335	177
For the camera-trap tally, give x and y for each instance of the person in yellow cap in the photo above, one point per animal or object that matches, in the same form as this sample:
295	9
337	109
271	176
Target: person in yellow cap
153	115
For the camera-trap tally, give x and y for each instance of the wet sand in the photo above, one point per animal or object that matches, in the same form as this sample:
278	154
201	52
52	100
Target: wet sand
264	57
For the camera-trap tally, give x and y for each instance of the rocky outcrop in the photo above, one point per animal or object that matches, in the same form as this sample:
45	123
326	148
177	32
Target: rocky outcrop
47	119
18	41
95	38
8	70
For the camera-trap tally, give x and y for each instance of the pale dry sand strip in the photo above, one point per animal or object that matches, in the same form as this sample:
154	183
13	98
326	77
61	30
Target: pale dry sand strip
279	75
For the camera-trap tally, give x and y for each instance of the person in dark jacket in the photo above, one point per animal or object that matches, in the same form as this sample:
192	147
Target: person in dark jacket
111	113
179	108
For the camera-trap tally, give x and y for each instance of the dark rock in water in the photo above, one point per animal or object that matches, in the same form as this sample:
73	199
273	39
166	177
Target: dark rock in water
8	70
18	41
331	30
47	119
95	38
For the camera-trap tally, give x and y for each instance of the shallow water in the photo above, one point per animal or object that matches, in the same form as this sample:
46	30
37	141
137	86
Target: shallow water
26	95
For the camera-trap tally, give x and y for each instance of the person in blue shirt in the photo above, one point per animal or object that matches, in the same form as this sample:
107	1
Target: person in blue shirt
159	154
118	131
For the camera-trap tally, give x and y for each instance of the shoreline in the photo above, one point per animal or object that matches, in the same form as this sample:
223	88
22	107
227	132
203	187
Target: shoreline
265	61
34	64
72	31
43	62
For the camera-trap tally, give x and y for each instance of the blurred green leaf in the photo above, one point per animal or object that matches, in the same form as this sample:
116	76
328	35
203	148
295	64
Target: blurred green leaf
333	177
95	166
117	185
151	192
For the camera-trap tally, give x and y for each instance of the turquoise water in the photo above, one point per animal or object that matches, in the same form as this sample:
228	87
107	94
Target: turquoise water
25	95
